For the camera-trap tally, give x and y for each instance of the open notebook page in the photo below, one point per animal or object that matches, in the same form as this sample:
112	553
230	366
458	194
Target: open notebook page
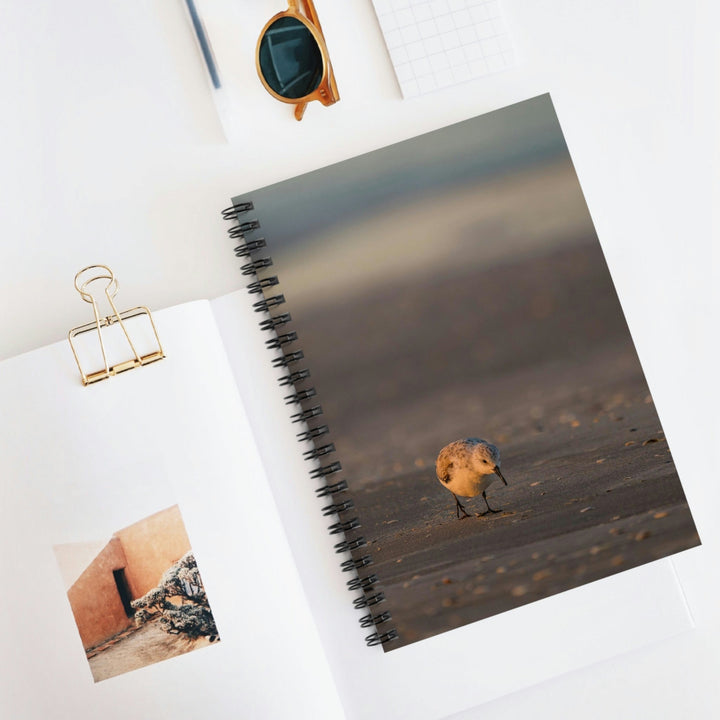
84	470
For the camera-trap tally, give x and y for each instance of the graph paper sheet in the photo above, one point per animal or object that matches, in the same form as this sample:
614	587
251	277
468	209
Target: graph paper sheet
438	43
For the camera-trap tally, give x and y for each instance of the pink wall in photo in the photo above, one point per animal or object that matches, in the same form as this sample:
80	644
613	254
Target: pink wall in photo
131	563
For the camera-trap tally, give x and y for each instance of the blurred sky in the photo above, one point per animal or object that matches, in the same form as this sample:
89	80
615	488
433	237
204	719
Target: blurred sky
495	189
516	137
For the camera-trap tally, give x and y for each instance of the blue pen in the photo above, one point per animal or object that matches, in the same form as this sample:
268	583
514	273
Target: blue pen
204	43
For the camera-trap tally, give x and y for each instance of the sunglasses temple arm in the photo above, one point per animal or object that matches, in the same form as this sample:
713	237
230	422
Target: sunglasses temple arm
309	11
300	110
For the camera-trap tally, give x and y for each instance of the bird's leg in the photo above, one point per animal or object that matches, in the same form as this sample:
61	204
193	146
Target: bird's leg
489	509
459	507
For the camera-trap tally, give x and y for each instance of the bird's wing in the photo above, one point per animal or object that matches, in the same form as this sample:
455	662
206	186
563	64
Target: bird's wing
443	467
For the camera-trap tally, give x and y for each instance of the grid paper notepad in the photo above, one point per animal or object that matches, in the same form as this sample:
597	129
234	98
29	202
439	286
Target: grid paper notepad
438	43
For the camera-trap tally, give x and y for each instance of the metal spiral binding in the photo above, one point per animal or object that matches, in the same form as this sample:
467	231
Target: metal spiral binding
327	470
351	564
319	451
343	527
252	268
350	545
300	395
294	378
369	600
337	508
288	359
266	304
307	415
244	230
275	322
280	340
232	212
238	231
249	247
359	583
314	432
369	620
327	490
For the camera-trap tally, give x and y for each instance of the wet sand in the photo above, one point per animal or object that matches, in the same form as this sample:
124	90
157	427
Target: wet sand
533	355
567	519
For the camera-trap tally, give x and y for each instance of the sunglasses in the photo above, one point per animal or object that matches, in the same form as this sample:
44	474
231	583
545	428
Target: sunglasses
292	58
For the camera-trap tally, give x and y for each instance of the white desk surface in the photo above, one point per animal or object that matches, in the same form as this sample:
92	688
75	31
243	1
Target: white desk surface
112	152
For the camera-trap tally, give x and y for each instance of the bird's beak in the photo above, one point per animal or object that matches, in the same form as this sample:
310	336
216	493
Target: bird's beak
496	470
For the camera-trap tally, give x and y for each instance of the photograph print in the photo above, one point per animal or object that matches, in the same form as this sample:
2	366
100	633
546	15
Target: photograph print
475	369
137	596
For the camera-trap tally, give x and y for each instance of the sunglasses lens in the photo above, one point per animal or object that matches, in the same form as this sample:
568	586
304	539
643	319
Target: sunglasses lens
290	59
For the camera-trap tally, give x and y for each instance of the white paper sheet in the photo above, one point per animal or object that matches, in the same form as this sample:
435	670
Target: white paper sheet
435	44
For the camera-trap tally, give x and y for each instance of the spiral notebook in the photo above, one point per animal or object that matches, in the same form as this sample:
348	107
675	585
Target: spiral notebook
452	300
449	287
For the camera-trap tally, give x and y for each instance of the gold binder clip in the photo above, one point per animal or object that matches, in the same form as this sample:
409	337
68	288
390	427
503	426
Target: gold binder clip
102	272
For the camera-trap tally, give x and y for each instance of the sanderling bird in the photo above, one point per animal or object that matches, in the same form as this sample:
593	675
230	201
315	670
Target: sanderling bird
467	468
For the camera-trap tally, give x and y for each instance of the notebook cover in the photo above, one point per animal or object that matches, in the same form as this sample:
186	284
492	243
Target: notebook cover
449	287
